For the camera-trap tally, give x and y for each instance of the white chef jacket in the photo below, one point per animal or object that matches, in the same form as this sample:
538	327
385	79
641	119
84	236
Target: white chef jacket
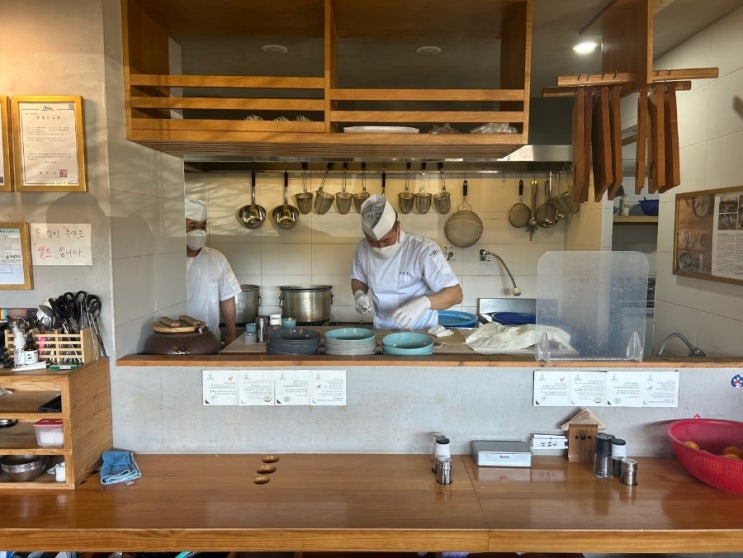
210	280
418	268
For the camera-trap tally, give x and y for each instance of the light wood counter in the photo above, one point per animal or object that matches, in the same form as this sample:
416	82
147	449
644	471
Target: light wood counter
376	503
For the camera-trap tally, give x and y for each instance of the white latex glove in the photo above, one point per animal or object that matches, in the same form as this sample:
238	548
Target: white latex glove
408	313
363	302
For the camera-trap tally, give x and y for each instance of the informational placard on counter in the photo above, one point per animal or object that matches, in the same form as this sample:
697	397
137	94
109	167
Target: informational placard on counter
606	388
274	387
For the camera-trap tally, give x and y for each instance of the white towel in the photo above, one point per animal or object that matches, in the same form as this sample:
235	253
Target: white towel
493	338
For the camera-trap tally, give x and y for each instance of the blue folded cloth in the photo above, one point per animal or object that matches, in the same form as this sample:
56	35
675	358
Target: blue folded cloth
119	466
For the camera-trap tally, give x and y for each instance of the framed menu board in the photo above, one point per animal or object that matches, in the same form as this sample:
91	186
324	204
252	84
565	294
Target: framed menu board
708	235
6	178
15	256
48	144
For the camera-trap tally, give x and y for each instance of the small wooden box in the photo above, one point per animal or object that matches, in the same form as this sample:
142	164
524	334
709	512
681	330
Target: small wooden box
56	347
582	442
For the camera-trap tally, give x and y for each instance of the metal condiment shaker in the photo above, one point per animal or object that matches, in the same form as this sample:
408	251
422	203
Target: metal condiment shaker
261	328
443	470
629	472
441	450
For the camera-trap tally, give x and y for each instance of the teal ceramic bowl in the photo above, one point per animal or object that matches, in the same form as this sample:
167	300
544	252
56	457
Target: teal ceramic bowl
350	334
407	343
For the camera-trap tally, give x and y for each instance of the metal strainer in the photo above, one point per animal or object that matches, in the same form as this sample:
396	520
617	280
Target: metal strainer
442	200
464	228
360	197
304	198
406	198
323	200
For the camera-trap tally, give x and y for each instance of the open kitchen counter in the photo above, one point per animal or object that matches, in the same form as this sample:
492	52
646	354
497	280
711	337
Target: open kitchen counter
448	351
316	502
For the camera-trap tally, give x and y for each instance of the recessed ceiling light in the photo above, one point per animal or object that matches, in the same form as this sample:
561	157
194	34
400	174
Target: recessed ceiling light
428	50
275	49
585	47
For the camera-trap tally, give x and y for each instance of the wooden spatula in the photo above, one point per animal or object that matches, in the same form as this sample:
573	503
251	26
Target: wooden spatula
673	167
615	127
642	139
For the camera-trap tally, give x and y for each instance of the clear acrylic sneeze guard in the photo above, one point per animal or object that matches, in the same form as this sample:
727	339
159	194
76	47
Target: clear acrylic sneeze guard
598	298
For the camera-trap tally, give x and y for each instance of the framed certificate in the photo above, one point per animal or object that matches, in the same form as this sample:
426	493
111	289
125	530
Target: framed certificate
15	257
6	178
48	144
708	236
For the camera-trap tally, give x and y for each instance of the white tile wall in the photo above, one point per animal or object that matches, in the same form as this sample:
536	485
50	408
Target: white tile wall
711	137
319	250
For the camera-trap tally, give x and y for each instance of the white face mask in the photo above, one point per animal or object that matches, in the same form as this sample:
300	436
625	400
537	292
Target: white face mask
196	239
386	252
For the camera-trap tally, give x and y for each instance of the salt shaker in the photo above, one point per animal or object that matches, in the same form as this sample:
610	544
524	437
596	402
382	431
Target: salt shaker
618	452
602	457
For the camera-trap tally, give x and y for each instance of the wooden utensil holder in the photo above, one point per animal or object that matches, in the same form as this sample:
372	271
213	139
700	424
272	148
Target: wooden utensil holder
582	442
56	347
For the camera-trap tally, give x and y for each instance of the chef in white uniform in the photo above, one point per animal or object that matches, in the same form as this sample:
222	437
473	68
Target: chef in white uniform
406	274
211	283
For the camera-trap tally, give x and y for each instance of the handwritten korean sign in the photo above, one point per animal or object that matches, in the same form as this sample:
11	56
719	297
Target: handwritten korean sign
61	244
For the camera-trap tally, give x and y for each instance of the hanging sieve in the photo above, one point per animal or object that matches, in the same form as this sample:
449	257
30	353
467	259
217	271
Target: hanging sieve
520	213
406	198
463	228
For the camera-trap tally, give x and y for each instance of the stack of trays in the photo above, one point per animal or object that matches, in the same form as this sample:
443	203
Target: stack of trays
292	341
407	343
350	341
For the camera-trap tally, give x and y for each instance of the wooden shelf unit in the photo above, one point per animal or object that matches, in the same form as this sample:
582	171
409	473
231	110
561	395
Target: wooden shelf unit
86	417
206	114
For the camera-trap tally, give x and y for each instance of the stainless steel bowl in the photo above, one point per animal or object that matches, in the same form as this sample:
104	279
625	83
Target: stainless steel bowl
23	468
7	423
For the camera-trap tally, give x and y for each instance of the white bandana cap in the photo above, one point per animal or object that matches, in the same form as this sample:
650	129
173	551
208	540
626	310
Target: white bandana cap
377	217
195	210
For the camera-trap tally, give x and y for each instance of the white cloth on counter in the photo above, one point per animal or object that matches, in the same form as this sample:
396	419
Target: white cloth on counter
491	339
440	331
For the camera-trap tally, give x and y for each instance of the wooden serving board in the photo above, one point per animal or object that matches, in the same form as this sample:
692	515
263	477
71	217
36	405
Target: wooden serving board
671	133
642	140
615	132
160	328
601	144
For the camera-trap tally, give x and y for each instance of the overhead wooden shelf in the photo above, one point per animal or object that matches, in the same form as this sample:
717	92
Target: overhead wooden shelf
305	115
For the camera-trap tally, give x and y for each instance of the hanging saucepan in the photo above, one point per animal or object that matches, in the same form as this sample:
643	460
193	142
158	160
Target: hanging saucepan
360	197
304	198
252	215
406	198
285	215
464	227
442	200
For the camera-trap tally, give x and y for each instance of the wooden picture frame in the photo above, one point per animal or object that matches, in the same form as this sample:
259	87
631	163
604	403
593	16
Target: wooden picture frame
48	144
6	167
15	257
707	229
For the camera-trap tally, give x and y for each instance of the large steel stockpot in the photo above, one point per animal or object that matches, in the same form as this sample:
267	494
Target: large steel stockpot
247	304
308	304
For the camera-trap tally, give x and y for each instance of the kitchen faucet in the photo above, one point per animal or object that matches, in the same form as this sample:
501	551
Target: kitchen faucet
485	257
693	351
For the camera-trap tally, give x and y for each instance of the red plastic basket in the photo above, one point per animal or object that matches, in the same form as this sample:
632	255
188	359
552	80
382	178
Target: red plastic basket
707	463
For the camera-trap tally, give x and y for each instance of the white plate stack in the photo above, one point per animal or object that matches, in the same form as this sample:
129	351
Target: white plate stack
350	341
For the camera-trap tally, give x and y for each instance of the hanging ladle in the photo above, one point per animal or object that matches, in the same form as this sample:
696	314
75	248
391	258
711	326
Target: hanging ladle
360	197
252	215
304	198
285	215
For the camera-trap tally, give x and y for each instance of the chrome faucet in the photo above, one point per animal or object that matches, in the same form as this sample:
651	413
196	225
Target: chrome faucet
693	351
485	257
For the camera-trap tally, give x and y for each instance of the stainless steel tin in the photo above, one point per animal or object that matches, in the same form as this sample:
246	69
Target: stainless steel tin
628	474
443	470
309	305
261	328
247	304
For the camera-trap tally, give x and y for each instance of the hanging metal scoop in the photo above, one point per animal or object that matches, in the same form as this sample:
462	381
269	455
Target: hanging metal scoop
406	198
360	197
344	199
323	200
423	198
304	198
442	200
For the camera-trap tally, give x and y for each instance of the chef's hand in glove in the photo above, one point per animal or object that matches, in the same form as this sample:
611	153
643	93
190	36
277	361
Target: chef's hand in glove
363	302
408	313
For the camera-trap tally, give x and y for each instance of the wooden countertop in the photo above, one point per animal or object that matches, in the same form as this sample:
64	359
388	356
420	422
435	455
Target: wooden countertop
376	503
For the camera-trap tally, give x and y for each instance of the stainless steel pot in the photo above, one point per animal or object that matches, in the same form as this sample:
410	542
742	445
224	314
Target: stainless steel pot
247	304
308	304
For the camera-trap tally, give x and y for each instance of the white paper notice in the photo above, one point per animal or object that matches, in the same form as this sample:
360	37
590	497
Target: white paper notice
61	244
661	388
551	388
606	388
220	387
588	388
256	387
329	387
624	389
293	387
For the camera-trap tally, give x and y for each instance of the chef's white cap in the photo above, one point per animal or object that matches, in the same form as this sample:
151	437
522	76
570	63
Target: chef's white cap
377	216
195	210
